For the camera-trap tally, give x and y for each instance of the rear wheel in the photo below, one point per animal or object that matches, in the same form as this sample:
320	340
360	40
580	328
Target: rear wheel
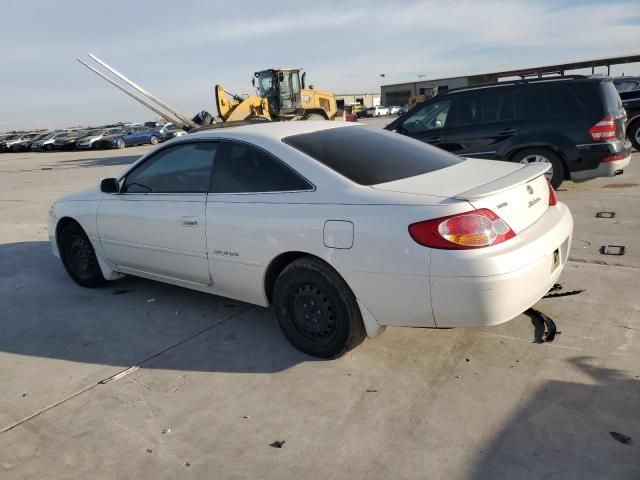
153	140
633	132
79	258
316	309
555	174
314	116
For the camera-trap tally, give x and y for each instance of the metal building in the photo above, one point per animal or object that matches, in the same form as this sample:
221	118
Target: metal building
399	93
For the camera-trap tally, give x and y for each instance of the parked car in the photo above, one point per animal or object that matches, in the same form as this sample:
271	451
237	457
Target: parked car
169	131
377	111
46	142
394	110
21	143
68	142
129	136
7	137
626	84
631	103
343	228
91	139
574	123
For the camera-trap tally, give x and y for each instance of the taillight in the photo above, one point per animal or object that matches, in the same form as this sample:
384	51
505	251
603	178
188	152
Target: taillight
605	129
552	195
476	229
613	158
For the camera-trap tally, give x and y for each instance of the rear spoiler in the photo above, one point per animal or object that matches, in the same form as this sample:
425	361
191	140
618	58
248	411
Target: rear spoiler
525	174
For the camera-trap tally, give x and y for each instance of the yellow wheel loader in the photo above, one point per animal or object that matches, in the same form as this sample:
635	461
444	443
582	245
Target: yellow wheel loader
281	95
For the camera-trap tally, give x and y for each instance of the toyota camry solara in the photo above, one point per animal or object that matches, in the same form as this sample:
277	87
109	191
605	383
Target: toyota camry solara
344	229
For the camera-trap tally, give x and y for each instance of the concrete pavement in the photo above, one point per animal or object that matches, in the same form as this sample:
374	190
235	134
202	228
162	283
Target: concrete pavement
90	379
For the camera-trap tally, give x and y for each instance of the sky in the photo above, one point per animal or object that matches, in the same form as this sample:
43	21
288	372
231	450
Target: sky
180	49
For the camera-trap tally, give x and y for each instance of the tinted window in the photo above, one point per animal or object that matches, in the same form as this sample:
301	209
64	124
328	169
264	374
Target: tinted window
542	101
430	116
182	168
612	100
368	157
244	169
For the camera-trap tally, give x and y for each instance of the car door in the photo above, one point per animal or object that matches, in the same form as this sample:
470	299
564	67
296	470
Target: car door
252	196
156	225
481	123
427	123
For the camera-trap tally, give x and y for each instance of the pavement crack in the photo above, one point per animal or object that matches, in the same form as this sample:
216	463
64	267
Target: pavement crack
122	373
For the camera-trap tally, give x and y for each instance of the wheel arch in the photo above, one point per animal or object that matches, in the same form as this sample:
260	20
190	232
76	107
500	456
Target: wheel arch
543	146
319	111
280	262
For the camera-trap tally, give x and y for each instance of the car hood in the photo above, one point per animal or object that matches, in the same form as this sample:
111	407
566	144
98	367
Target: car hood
89	194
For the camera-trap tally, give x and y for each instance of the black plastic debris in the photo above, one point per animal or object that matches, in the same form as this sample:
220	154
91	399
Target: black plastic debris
149	450
539	321
122	291
371	391
563	294
187	464
278	443
612	249
556	286
606	215
621	437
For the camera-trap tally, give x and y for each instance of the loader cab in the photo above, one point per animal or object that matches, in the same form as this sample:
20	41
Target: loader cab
281	87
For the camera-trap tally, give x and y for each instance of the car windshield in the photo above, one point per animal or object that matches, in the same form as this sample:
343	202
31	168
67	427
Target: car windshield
369	157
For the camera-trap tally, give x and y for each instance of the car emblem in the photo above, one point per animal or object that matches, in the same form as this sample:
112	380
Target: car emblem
530	189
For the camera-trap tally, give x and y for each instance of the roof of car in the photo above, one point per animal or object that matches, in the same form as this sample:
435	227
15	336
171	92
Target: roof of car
271	130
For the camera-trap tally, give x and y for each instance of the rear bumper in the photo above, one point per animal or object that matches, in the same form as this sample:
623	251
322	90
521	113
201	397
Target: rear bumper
591	156
605	169
499	285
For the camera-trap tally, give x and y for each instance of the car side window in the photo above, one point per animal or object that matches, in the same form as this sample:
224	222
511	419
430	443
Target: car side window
550	101
430	116
184	168
245	169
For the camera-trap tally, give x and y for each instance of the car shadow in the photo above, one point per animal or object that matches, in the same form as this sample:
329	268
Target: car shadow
98	161
563	430
131	321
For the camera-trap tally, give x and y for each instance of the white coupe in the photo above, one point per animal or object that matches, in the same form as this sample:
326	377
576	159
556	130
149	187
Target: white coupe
343	228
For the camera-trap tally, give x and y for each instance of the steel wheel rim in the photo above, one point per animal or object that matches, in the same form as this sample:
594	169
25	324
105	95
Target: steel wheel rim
537	158
637	135
80	256
314	315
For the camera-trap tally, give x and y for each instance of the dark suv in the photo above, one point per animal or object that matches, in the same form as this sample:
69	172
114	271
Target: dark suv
575	123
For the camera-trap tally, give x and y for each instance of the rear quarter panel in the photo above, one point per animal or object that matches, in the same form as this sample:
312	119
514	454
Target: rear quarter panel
385	268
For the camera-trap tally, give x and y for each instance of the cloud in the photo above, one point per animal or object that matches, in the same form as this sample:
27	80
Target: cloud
179	50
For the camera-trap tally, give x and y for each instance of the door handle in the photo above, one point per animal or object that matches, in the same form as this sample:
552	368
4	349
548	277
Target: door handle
189	221
434	139
506	131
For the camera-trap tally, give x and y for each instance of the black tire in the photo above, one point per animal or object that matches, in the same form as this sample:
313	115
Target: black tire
153	140
558	166
15	148
314	116
79	258
49	147
316	309
633	132
120	144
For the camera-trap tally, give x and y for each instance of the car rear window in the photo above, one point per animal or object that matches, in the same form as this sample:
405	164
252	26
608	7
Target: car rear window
612	100
370	156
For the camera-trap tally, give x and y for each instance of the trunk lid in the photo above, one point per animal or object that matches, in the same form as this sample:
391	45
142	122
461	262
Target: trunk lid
518	193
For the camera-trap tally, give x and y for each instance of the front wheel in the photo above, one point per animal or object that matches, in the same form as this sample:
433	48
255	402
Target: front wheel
317	310
120	143
555	174
79	257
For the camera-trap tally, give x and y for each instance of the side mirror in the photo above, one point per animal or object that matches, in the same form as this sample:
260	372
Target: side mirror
109	185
